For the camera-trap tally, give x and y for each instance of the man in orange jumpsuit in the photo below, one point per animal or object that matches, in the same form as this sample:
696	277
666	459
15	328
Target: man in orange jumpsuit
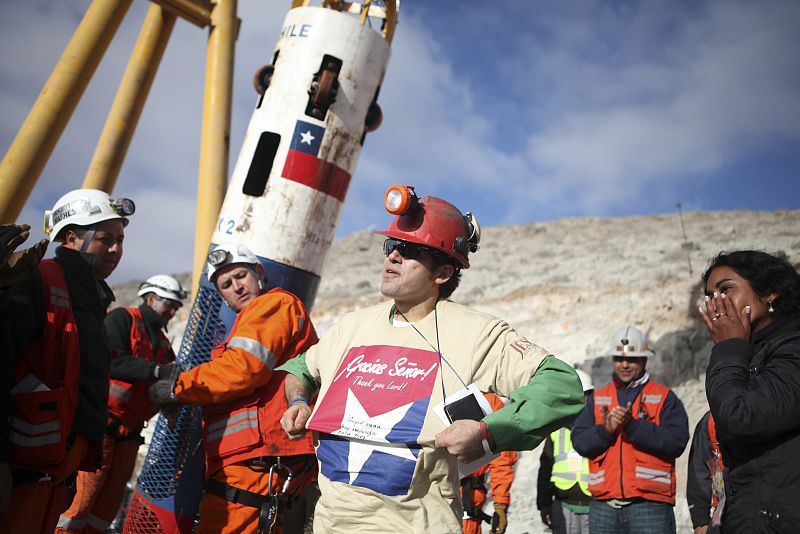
142	354
53	395
244	399
473	488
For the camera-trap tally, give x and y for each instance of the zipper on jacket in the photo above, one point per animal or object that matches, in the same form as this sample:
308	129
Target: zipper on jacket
621	467
621	438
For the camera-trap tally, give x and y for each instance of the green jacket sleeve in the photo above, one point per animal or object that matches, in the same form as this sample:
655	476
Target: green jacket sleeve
297	367
551	400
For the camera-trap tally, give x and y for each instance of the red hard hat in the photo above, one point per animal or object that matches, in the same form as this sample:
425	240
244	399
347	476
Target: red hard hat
437	224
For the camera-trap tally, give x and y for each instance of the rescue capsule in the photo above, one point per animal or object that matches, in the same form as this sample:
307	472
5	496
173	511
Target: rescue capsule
316	102
302	144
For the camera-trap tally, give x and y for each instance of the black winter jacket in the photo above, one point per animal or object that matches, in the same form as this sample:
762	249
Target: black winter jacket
127	366
754	393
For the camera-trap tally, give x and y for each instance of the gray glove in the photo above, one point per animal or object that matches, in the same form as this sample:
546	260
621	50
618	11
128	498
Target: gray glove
168	371
15	266
164	399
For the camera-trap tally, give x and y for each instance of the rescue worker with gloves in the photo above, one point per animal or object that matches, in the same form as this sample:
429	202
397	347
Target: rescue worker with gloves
388	446
473	488
632	430
54	410
562	489
248	457
141	355
14	267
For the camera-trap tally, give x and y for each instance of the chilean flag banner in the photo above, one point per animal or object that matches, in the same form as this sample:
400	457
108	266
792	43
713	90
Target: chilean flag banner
304	166
372	415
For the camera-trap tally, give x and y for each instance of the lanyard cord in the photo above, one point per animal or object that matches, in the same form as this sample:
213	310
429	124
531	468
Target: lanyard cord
436	348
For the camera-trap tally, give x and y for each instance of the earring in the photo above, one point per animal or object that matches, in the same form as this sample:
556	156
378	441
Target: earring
771	309
261	285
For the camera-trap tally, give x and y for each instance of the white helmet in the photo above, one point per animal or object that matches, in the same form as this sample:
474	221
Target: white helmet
223	255
164	286
630	342
586	380
85	207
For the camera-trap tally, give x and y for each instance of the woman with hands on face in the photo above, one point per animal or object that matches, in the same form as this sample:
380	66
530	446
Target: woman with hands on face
752	313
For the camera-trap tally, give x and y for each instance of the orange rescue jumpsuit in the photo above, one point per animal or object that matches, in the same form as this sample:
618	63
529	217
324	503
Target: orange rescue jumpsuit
244	400
501	475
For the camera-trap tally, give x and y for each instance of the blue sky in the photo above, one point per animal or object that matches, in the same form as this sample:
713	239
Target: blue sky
517	111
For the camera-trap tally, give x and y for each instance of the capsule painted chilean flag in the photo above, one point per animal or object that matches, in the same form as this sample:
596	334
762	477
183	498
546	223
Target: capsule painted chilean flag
304	166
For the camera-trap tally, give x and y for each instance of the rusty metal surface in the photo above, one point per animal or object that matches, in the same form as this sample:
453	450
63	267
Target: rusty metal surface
291	223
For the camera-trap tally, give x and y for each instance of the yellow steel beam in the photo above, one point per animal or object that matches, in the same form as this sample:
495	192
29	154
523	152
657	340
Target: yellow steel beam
127	107
197	12
28	154
215	138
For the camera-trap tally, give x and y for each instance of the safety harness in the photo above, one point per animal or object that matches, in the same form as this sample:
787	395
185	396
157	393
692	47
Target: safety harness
470	510
269	505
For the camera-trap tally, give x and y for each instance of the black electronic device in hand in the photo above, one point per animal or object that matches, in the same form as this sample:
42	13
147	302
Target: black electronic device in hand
464	408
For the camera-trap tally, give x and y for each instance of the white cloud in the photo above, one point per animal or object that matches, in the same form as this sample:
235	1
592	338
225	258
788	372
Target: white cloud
525	112
727	82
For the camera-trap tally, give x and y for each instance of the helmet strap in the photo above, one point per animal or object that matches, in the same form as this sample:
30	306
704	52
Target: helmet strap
87	239
254	270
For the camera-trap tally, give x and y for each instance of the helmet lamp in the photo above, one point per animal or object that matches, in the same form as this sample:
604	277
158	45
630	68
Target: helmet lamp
123	206
217	257
400	199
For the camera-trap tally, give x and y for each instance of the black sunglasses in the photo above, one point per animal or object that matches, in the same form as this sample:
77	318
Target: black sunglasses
409	251
623	358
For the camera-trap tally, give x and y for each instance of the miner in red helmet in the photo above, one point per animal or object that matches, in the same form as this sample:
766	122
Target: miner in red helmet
401	414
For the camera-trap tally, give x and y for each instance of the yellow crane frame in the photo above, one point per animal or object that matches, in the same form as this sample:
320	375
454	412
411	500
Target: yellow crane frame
38	135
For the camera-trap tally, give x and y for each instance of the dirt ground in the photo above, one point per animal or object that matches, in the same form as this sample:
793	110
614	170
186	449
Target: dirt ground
568	284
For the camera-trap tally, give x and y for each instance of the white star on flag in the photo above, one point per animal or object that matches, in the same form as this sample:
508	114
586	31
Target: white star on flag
383	424
306	137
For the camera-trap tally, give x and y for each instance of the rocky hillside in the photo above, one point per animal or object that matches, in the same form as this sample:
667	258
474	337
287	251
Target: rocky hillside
568	284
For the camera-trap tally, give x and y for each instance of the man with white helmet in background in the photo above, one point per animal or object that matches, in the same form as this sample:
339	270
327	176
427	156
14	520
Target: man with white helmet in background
632	430
562	495
387	445
141	355
53	406
248	456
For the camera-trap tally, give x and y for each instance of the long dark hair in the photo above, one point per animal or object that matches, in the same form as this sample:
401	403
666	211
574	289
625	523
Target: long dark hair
766	274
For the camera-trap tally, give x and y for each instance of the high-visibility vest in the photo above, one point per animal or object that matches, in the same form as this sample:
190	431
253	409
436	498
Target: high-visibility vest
250	427
623	471
716	467
129	402
569	467
45	394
